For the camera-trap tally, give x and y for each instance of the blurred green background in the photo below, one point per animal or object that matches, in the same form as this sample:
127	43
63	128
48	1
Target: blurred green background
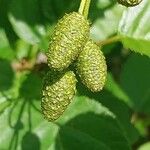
118	118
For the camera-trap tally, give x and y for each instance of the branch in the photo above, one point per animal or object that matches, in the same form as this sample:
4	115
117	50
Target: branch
109	41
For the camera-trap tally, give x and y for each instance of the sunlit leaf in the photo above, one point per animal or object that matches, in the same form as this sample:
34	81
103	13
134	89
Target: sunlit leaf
134	28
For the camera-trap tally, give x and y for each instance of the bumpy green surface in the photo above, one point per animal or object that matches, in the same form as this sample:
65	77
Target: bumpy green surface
70	35
58	91
129	3
91	67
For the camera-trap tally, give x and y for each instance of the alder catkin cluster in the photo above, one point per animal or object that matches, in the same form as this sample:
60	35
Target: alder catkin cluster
69	42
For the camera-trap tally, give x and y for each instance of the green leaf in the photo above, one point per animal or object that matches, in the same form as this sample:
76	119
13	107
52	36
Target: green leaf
26	20
93	126
114	101
107	21
134	28
135	82
118	95
24	120
86	123
91	131
22	49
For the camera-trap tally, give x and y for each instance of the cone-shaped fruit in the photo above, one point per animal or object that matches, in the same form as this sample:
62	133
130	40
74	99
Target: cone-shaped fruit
58	91
70	35
91	67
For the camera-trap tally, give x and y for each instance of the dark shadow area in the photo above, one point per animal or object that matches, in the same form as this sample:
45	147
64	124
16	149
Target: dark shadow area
26	11
54	9
97	12
28	93
40	12
6	75
91	131
37	12
5	24
31	87
17	126
30	141
136	73
116	57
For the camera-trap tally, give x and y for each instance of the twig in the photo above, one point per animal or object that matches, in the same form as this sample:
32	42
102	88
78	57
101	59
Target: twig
84	7
109	41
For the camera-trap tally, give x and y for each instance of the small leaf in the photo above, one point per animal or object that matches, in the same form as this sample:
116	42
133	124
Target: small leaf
5	50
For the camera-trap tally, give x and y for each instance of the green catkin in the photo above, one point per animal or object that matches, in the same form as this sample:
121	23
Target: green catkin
70	35
91	67
58	91
129	3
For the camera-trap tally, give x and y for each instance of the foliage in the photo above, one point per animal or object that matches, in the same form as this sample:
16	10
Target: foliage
116	118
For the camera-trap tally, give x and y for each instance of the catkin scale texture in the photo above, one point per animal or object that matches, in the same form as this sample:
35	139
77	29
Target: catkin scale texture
58	91
70	35
129	3
91	67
